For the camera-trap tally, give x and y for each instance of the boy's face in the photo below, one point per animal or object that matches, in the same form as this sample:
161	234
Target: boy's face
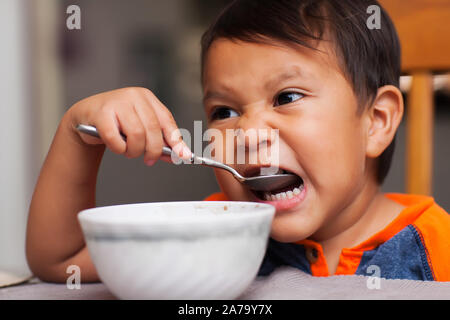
322	137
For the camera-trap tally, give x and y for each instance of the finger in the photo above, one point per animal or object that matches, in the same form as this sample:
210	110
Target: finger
108	129
132	127
170	130
154	137
165	158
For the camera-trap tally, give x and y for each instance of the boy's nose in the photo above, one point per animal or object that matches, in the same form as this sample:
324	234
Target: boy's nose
254	130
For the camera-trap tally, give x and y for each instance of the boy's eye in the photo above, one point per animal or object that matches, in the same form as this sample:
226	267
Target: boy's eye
288	97
223	113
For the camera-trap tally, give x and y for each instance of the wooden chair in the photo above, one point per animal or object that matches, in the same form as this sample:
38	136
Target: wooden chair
424	30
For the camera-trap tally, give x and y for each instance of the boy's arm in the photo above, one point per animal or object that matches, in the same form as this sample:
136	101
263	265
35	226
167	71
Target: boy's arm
66	185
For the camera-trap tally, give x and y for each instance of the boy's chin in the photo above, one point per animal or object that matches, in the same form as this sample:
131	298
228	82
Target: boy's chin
294	226
285	231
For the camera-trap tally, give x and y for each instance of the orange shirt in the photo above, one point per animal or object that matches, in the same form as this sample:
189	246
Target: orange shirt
415	245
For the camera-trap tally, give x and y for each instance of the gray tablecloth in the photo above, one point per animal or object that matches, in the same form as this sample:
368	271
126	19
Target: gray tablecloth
284	283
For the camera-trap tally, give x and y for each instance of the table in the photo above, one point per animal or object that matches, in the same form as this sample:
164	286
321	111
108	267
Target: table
284	283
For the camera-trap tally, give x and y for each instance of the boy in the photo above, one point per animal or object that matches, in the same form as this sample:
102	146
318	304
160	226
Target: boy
316	73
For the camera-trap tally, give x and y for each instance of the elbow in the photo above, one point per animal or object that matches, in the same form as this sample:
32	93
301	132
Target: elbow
41	267
60	271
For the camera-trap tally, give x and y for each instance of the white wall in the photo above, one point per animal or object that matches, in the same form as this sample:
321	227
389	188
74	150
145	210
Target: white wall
15	121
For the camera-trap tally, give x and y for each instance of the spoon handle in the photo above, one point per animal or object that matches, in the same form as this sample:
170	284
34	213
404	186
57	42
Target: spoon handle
92	131
215	164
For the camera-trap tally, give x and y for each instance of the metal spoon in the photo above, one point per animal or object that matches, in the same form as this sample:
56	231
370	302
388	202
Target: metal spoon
258	183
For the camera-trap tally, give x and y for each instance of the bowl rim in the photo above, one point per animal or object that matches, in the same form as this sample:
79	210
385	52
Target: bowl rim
90	216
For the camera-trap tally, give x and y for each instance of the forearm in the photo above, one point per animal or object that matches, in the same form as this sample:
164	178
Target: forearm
66	185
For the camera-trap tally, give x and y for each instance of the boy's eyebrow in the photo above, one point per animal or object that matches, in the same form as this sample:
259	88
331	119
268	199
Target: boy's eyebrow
214	94
292	73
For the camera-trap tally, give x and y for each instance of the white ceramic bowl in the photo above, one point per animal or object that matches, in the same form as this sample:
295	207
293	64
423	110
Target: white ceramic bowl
178	250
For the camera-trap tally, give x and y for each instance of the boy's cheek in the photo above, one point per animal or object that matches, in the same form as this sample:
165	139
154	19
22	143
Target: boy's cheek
230	186
220	149
330	156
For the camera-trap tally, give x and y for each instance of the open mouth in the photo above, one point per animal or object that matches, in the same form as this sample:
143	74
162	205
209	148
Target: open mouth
285	193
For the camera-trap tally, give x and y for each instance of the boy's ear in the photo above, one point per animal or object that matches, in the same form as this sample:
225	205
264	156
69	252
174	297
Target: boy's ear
384	117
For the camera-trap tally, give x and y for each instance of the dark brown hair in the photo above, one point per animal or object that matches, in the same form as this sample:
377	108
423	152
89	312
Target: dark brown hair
368	58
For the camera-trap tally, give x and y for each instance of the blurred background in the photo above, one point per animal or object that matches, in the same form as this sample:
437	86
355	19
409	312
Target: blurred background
150	43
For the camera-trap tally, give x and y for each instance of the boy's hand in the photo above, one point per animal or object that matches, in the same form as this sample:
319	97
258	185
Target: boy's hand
138	114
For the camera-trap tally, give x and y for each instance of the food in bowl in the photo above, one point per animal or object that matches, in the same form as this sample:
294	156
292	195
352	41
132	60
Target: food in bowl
178	250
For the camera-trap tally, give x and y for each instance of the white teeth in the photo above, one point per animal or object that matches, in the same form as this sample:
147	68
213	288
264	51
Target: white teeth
283	195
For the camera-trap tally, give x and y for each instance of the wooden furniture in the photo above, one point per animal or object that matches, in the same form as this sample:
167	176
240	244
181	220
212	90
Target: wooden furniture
424	30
